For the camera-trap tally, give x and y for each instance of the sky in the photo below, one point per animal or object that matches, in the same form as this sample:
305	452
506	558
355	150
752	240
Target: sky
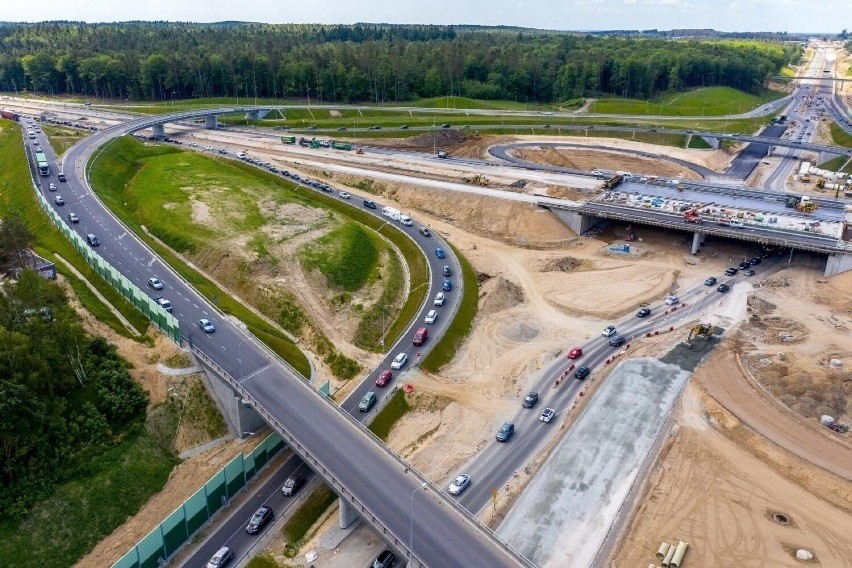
828	16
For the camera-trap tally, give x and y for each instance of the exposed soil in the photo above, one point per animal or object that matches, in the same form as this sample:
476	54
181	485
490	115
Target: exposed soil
592	159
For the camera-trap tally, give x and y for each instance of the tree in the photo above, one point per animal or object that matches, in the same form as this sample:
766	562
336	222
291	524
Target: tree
16	240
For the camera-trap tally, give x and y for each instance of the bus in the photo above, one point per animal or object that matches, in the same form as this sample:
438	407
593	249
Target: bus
41	160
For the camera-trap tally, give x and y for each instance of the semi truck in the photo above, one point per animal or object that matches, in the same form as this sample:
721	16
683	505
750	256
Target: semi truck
288	139
9	114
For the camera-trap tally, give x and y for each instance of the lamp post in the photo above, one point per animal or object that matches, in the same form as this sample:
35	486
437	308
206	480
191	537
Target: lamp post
411	517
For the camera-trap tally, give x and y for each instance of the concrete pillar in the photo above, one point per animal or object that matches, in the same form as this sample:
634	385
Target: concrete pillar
348	514
211	122
575	220
696	242
159	130
837	263
703	238
251	115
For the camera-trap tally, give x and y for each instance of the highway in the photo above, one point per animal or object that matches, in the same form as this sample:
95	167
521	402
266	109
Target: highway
363	469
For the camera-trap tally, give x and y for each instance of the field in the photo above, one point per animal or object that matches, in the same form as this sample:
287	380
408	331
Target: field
840	137
63	137
711	101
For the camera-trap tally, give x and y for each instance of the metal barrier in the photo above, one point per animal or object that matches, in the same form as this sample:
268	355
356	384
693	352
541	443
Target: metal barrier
162	542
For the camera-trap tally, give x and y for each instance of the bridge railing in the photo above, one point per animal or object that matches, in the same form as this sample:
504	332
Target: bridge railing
397	540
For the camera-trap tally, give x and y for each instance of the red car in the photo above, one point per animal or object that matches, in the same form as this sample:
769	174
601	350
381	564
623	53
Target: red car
384	378
576	352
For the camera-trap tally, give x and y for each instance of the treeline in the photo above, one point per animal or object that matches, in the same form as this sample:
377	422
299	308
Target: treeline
64	395
378	63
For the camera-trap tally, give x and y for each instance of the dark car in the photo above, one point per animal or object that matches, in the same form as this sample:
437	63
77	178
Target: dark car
384	378
369	204
72	218
259	520
530	400
446	286
755	261
92	240
425	232
505	432
439	252
447	271
744	264
582	372
723	288
616	341
385	560
731	271
367	402
710	281
445	125
643	312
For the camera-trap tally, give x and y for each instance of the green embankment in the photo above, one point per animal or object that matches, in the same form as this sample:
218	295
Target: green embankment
348	256
16	195
297	526
63	137
834	164
385	420
840	136
710	101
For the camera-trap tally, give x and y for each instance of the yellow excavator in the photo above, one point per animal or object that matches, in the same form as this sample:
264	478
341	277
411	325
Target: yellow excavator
703	330
478	179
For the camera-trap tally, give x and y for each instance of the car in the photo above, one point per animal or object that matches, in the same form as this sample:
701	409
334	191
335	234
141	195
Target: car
459	484
582	372
384	378
209	148
439	299
52	186
445	125
616	341
671	300
384	560
399	361
575	352
643	312
222	557
404	127
222	151
163	303
546	126
723	288
439	252
259	519
711	281
369	204
425	232
72	218
59	201
367	402
530	400
343	195
749	272
744	265
446	285
547	415
608	331
312	127
293	483
92	240
732	271
206	325
341	129
431	316
505	432
447	271
420	336
155	283
755	261
405	220
375	127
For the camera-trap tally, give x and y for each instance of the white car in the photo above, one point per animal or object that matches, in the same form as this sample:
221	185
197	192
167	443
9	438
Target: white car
155	283
405	220
672	300
431	316
608	331
165	304
344	195
547	415
399	361
206	325
439	299
52	186
459	484
209	148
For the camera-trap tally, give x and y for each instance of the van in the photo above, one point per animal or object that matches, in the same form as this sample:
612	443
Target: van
420	336
62	176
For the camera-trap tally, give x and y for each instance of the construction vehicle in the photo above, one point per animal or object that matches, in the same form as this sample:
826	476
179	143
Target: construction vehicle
478	179
691	216
613	182
806	205
341	145
806	178
288	139
359	151
702	330
442	154
820	183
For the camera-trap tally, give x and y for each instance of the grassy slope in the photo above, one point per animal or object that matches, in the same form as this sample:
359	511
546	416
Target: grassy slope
63	137
384	421
301	520
16	194
105	492
840	137
711	101
348	256
120	162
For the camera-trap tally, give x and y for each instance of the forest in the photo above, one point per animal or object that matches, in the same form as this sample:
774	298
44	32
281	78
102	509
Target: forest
64	395
367	62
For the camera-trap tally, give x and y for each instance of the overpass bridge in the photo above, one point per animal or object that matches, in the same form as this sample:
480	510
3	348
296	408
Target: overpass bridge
413	515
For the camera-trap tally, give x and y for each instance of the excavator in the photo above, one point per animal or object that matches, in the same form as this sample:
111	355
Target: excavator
478	179
703	330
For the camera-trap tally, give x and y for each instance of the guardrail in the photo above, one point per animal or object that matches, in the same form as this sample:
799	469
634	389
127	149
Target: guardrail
399	542
158	316
188	518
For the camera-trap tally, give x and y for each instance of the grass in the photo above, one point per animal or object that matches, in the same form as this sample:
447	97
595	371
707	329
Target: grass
840	137
699	143
63	137
263	561
202	412
179	360
303	518
710	101
348	256
112	175
449	344
393	411
834	164
371	327
16	194
105	491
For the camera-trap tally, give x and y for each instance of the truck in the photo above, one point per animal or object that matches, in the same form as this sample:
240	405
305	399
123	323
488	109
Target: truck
341	145
288	139
391	213
9	114
442	154
43	167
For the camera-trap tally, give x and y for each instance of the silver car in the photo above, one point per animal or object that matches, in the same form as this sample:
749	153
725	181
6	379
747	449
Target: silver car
222	557
459	484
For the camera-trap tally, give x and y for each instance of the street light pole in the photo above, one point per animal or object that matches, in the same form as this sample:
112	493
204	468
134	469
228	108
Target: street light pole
411	517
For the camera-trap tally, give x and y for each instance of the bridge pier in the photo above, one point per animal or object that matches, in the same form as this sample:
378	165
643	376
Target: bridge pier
211	122
241	419
697	240
158	131
252	115
348	514
575	220
837	263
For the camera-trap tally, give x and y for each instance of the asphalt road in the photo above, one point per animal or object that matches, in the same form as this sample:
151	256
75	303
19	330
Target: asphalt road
332	440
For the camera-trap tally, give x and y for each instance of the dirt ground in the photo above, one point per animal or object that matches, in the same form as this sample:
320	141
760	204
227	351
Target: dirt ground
593	159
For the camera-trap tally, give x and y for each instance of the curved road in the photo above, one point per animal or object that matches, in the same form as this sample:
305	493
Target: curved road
363	469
